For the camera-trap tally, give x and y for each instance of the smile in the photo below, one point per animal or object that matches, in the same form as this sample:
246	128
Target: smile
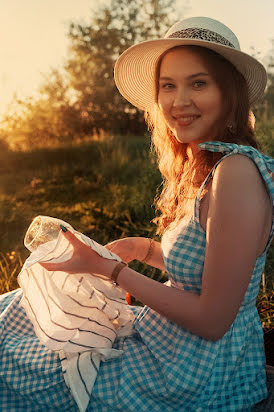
185	120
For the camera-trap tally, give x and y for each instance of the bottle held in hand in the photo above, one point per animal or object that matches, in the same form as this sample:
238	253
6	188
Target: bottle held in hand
43	229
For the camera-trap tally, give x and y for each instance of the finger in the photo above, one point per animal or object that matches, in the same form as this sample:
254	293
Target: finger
115	250
71	237
109	246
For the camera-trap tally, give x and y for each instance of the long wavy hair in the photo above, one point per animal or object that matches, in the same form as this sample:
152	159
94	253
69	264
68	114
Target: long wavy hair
182	176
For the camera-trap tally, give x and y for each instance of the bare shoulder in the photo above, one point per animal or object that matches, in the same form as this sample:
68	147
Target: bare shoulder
239	197
237	166
238	176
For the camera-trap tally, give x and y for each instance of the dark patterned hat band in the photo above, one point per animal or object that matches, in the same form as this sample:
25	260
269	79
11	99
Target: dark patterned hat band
201	34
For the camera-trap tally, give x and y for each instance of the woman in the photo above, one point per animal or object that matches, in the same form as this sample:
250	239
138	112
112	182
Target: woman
197	345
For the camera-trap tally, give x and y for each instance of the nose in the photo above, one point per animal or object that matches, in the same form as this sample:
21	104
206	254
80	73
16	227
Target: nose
182	98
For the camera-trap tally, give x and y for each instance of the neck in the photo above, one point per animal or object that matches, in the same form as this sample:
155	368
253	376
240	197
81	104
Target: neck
192	150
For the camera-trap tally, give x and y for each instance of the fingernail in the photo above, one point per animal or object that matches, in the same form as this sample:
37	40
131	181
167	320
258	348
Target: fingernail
63	228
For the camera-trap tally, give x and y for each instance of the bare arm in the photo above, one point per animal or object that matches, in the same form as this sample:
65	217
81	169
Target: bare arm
154	256
139	248
239	215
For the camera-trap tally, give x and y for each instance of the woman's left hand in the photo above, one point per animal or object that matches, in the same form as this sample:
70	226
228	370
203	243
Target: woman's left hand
83	260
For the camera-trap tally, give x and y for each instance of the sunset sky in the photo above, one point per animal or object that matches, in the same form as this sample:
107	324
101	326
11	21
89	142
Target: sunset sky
33	34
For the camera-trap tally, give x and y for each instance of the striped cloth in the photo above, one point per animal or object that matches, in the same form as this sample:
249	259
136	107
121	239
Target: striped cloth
78	315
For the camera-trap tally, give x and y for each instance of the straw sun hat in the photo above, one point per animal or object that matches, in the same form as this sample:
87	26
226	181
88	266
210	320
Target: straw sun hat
135	69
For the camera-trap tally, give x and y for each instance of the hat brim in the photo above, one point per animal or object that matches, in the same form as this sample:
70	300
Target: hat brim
134	71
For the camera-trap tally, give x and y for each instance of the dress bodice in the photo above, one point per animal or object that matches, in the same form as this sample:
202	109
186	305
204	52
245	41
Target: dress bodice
184	245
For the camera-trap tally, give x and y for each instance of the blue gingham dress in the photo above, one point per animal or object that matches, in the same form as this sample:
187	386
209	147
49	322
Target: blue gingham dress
163	366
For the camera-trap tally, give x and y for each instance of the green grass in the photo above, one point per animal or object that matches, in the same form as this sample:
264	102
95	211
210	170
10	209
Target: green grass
10	265
103	189
265	131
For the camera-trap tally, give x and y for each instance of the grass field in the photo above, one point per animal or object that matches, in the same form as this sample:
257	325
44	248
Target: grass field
103	189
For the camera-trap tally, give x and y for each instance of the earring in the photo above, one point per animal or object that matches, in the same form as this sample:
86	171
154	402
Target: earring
231	127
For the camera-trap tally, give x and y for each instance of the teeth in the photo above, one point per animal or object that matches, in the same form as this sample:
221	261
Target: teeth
186	118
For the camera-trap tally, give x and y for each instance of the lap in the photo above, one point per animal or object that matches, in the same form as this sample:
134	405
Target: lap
31	376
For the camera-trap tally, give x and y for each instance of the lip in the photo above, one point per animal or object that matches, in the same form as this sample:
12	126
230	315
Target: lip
186	119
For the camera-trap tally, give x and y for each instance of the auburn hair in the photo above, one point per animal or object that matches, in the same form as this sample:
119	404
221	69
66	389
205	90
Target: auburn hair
182	177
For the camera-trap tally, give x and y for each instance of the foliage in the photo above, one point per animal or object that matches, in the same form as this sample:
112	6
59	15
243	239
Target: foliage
269	96
94	50
265	109
105	187
44	120
10	265
265	132
81	99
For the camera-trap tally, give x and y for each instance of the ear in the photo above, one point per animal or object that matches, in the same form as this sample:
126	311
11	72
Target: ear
231	126
251	120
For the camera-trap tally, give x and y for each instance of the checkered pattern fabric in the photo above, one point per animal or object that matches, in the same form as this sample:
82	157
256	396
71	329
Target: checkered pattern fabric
31	376
163	367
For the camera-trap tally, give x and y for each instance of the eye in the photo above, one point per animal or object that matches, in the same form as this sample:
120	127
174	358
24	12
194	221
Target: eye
198	84
166	86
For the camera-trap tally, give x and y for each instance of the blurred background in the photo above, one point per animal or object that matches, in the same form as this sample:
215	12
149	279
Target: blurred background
70	146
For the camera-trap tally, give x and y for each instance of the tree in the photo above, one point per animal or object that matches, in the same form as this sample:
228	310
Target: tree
94	50
82	98
265	109
269	95
40	121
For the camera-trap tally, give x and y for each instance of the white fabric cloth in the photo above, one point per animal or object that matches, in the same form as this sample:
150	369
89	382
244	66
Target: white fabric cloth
78	315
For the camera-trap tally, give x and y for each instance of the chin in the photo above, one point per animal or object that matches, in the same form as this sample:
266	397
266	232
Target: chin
185	139
191	139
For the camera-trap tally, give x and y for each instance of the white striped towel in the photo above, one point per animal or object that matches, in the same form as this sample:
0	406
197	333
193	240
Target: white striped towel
77	315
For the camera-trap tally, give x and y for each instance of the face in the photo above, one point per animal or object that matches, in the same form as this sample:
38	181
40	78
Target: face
189	97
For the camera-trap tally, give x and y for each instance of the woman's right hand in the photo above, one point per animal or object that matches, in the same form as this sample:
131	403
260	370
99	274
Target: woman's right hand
130	248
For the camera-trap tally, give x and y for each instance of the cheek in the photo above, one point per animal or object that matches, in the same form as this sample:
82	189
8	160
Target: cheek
164	107
213	105
164	101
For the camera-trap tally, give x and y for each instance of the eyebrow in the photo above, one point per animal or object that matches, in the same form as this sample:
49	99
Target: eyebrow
189	77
